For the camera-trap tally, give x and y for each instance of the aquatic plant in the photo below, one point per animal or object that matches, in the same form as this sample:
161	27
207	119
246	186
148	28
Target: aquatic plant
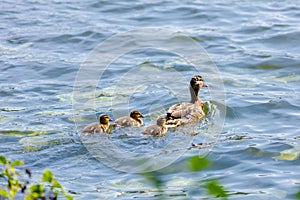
50	187
193	164
213	187
298	194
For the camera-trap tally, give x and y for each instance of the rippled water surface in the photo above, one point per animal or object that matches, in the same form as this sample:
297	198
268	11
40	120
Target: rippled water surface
255	46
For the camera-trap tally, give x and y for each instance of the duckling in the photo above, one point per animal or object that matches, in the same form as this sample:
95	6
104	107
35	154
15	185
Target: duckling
159	129
134	119
98	127
188	112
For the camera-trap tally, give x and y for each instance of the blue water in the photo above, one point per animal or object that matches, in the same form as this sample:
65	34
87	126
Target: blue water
255	46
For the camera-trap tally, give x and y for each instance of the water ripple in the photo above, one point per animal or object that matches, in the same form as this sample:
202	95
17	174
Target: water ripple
254	44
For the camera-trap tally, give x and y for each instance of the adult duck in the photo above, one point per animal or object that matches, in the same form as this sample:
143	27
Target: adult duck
98	127
134	119
188	112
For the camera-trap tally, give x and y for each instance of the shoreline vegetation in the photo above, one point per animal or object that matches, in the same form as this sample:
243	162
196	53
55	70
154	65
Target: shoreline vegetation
18	186
50	188
19	183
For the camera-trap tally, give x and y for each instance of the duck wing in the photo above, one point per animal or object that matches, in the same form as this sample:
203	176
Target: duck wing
153	130
180	109
184	113
124	121
93	128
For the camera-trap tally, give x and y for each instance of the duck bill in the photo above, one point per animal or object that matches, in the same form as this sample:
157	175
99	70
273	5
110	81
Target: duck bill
142	116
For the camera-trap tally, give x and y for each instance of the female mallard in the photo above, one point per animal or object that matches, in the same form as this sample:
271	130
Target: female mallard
188	112
98	127
159	129
134	119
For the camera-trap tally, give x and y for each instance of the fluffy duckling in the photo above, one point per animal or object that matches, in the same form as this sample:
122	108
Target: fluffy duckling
134	119
187	112
98	127
159	129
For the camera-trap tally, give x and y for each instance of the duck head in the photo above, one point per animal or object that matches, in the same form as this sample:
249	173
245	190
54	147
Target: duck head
104	119
135	114
195	84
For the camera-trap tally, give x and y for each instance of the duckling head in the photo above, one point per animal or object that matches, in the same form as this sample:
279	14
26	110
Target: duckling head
135	114
197	82
104	119
161	121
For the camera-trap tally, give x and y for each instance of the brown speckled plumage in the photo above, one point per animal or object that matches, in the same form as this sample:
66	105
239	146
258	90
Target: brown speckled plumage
188	112
159	129
98	127
133	120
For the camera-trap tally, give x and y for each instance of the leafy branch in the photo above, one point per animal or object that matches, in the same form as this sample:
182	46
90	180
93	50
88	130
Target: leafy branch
49	189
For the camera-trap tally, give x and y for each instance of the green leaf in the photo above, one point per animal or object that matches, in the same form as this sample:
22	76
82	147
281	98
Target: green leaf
298	194
56	183
4	193
37	190
153	178
14	185
3	160
47	176
289	154
215	189
206	108
17	163
197	163
28	197
69	197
